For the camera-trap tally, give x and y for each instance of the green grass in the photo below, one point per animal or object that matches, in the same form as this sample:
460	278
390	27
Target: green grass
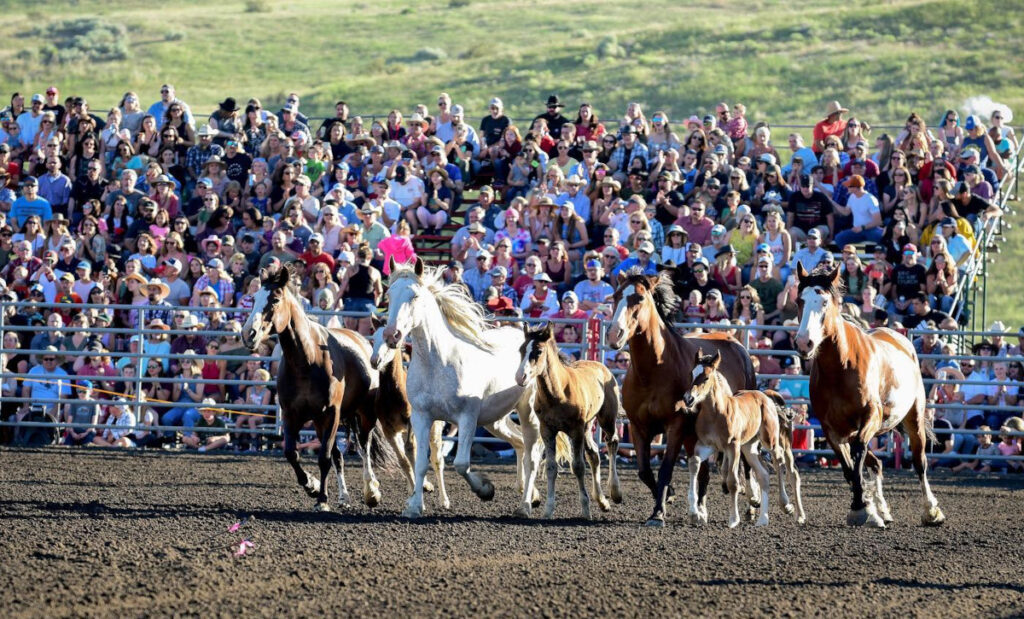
783	60
1004	276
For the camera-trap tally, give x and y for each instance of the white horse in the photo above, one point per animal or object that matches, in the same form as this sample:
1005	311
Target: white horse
461	372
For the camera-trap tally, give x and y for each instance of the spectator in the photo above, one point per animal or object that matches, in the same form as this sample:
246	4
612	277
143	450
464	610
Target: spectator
833	124
49	382
985	448
207	441
542	301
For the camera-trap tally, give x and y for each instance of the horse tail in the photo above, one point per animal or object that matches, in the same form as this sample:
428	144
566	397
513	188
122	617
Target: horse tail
785	413
563	449
382	455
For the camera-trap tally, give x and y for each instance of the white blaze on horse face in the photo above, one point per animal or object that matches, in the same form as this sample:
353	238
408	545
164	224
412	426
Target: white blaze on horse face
382	354
811	329
255	320
524	374
619	318
399	311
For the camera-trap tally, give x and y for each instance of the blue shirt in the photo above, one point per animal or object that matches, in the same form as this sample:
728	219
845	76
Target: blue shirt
805	153
632	261
23	209
581	203
55	189
44	389
158	109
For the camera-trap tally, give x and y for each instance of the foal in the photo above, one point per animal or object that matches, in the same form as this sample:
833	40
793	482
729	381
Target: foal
735	425
569	399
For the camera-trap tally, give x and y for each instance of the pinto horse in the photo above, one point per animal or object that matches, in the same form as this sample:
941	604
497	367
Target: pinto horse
862	384
660	373
735	424
324	377
570	399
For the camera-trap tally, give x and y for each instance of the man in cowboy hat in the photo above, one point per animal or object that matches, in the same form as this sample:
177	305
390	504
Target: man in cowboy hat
156	292
554	116
579	200
373	231
416	139
198	155
588	162
469	237
833	124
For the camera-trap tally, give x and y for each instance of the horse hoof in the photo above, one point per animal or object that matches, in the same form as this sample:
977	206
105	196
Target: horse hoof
312	487
372	499
933	517
887	517
603	504
411	513
734	523
658	523
535	502
671	498
427	486
321	507
761	522
616	496
695	519
801	520
526	512
344	501
788	508
585	514
486	491
863	517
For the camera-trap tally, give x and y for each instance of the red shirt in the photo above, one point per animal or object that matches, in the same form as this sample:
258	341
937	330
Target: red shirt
824	129
323	257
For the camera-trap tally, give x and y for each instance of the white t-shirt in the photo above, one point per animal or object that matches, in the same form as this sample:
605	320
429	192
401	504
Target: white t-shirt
409	192
863	208
971	391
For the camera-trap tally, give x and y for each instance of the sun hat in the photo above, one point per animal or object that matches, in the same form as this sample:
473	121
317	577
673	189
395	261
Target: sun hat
416	119
725	250
647	247
542	277
834	108
206	131
157	283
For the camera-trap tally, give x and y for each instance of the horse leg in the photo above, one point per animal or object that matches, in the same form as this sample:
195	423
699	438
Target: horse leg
327	433
793	477
437	460
861	511
611	439
525	440
420	423
371	487
339	470
732	482
579	469
699	454
753	458
915	427
308	483
480	484
753	489
403	450
673	445
642	446
594	459
550	438
875	465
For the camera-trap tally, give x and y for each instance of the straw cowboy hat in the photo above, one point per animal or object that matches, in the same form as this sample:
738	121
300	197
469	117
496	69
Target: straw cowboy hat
834	108
164	288
213	160
362	139
998	326
611	182
416	119
135	276
188	322
156	323
206	130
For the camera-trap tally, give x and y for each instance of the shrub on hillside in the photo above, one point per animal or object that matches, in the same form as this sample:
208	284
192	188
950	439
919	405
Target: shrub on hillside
427	54
85	38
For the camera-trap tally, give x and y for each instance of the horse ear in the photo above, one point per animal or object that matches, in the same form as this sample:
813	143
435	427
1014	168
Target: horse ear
621	278
715	360
801	272
418	267
834	275
545	332
526	329
697	355
377	321
391	264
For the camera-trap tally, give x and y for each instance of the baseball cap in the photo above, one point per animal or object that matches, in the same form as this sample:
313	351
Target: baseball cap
38	98
948	221
702	261
205	182
498	271
496	102
542	277
718	230
971	122
84	264
764	260
174	263
721	150
767	158
569	294
319	238
216	263
593	264
646	246
457	110
764	247
30	180
814	233
910	247
85	384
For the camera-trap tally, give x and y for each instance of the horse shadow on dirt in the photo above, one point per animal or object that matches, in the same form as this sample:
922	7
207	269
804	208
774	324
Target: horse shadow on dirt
887	581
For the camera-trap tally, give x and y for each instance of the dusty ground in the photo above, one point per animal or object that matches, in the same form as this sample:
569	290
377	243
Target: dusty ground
89	532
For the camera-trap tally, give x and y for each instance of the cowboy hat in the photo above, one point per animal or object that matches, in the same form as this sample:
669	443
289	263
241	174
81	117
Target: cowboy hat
213	160
369	208
362	139
611	182
416	119
163	179
553	101
156	323
834	108
229	105
574	179
164	288
438	170
135	276
212	239
206	130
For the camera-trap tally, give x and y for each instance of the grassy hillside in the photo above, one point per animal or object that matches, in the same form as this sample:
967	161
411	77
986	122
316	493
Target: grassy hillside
784	60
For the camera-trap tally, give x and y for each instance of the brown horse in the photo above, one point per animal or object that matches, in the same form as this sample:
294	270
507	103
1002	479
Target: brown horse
324	377
736	425
659	375
862	384
570	399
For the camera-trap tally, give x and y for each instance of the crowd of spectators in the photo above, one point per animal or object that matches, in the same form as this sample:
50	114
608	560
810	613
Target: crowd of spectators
165	207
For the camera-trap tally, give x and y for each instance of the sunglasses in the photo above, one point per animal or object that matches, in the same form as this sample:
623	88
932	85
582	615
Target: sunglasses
700	271
49	358
618	360
745	296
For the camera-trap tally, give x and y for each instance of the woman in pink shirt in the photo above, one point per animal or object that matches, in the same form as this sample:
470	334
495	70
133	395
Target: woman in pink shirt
398	246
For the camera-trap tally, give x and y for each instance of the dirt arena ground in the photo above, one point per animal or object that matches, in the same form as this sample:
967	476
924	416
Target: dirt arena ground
89	532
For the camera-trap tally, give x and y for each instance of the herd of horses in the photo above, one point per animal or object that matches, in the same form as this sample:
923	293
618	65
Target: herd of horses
698	390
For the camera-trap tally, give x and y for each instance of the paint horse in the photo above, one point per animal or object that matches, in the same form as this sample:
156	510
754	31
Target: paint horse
862	384
570	399
391	405
738	425
660	373
462	372
324	377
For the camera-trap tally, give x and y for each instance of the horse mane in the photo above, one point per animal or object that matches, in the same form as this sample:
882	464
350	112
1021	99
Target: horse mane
666	301
464	316
311	335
